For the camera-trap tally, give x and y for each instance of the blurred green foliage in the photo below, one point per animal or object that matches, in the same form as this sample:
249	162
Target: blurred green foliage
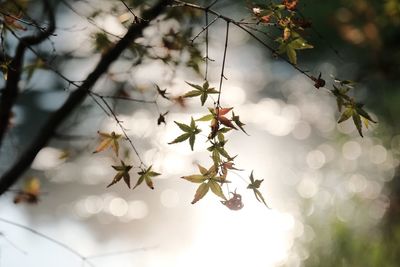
354	248
366	32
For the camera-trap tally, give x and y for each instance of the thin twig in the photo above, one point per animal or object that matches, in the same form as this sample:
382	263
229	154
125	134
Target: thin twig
223	64
242	27
29	23
205	28
57	72
212	4
136	18
115	253
122	129
48	238
206	58
46	132
322	38
12	244
127	98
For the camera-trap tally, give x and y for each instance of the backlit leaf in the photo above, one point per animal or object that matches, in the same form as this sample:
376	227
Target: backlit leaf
357	123
216	189
201	192
122	172
108	140
146	175
180	138
346	115
255	185
206	118
196	178
190	133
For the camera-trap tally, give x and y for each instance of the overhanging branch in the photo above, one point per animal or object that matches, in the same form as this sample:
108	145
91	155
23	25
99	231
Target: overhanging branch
10	92
77	97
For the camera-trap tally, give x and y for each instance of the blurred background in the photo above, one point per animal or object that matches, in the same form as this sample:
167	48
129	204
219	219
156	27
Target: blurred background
334	196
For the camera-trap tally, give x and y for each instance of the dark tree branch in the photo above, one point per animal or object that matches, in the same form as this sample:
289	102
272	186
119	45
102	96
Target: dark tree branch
77	97
10	92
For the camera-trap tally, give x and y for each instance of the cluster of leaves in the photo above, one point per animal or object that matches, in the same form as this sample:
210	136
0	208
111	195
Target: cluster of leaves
112	141
215	176
291	25
284	17
289	39
348	107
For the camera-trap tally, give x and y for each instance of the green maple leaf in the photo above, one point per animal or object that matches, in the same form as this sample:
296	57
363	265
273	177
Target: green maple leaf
296	42
190	132
255	185
208	179
217	149
201	191
356	112
237	121
347	113
122	172
202	91
146	175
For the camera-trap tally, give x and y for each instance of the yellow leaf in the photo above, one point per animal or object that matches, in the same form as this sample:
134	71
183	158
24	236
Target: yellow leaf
103	145
108	140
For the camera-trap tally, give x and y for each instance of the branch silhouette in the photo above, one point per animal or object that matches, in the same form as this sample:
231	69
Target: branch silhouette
76	97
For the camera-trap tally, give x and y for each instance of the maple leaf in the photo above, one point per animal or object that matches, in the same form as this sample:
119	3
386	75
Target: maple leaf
238	122
208	179
341	96
221	112
228	165
356	112
235	202
146	175
290	4
30	192
202	91
255	185
291	45
265	19
190	132
218	118
319	82
217	149
203	176
162	93
122	172
13	22
161	118
108	140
